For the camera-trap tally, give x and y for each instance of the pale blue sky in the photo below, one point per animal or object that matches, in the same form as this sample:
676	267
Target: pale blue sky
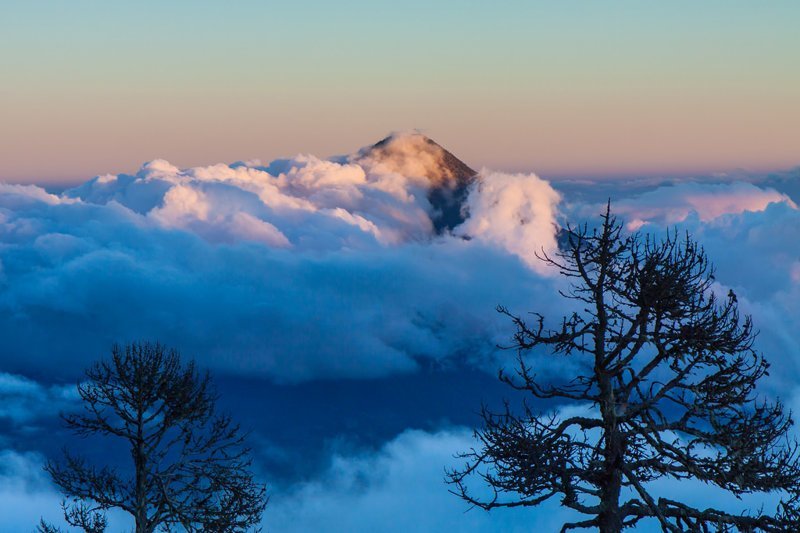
556	87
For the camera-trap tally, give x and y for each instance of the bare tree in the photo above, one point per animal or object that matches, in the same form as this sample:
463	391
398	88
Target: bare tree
667	373
79	514
189	468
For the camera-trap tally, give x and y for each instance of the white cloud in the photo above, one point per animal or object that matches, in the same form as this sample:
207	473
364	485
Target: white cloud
399	487
308	268
675	203
516	212
301	269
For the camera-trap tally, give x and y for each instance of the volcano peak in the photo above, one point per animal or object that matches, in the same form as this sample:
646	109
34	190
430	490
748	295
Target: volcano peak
417	155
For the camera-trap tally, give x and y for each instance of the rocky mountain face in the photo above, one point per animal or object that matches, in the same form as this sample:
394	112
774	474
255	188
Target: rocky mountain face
446	177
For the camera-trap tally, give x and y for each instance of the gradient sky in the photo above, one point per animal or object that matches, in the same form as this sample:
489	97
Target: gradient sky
561	88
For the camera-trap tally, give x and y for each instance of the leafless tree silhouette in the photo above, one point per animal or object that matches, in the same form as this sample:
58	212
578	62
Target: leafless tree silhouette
667	378
190	468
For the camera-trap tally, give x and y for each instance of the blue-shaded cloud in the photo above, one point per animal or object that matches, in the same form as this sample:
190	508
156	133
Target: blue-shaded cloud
322	270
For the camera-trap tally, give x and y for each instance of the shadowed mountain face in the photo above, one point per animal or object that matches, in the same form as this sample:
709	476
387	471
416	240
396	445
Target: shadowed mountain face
447	177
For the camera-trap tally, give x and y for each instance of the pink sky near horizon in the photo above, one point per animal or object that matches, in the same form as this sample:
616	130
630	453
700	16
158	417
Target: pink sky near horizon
676	89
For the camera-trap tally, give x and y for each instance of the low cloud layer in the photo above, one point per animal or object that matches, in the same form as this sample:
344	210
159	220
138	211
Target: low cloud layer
300	269
395	489
308	268
707	202
401	487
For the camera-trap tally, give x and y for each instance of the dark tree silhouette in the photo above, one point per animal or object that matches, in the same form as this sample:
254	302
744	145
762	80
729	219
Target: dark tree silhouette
667	374
189	468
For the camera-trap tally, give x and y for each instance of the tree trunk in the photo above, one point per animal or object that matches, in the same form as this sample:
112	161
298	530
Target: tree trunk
140	461
610	517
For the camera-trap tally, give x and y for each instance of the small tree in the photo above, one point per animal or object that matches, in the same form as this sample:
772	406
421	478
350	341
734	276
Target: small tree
189	468
666	373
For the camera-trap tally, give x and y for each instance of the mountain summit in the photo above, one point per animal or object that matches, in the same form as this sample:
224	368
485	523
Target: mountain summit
414	154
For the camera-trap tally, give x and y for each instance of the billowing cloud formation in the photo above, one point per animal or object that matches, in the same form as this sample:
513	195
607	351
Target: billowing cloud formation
307	268
515	211
299	269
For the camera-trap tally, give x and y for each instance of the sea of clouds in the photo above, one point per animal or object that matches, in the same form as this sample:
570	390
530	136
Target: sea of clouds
306	269
301	269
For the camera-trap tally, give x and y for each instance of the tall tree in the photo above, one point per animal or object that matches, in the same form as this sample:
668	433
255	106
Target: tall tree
666	376
189	468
